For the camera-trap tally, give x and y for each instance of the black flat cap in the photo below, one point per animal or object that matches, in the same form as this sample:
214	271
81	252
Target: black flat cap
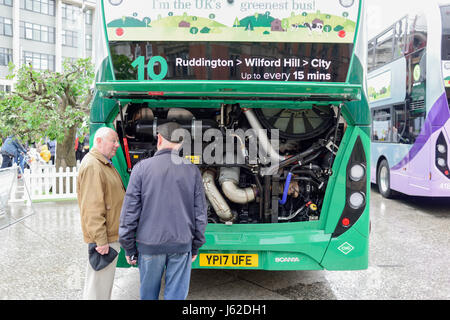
166	130
98	261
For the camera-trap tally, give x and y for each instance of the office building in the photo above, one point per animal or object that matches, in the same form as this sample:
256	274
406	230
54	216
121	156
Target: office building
44	33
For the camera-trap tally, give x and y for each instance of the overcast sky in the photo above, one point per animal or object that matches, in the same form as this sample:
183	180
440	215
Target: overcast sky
382	13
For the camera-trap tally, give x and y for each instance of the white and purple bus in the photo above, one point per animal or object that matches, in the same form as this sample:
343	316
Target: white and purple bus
409	87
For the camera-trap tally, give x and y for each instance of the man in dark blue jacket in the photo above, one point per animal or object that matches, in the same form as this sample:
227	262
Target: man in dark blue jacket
163	218
11	151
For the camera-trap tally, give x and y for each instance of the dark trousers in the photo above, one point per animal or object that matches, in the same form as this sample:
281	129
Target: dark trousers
7	161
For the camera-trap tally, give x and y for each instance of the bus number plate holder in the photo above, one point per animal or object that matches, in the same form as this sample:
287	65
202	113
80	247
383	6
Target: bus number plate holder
228	260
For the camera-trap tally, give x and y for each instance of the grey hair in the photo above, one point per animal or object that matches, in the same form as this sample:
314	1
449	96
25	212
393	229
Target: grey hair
102	133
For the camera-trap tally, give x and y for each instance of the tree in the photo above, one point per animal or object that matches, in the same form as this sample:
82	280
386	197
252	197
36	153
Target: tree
49	104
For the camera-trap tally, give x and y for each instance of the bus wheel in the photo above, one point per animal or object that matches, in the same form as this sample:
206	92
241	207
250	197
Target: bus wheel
383	180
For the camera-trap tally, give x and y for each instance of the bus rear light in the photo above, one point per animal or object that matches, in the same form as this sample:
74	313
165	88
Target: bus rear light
441	162
441	148
357	200
345	222
355	189
155	93
357	172
441	155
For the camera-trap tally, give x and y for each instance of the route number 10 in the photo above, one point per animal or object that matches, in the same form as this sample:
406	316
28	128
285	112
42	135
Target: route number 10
140	64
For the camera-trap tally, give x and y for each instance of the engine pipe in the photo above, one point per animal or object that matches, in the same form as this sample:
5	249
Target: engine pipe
215	198
262	136
286	189
229	180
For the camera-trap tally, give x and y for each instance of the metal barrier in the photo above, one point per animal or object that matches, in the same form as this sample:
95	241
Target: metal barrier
11	190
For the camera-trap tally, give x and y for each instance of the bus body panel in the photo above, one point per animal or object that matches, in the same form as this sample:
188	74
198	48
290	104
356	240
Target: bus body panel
348	252
306	245
412	172
385	77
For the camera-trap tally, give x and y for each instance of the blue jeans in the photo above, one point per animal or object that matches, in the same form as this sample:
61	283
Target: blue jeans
178	275
20	160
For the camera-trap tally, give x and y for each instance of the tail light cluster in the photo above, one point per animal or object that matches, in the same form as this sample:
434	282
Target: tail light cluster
441	155
355	189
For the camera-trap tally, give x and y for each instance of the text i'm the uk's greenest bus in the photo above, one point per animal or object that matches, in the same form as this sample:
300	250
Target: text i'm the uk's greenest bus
272	100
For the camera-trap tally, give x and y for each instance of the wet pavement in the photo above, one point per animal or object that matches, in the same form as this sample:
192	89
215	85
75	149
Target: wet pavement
43	257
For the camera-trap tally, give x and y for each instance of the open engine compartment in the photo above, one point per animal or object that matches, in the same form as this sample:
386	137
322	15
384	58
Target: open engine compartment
259	165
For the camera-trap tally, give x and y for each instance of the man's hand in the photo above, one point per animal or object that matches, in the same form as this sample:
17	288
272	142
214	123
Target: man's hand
131	262
194	257
103	249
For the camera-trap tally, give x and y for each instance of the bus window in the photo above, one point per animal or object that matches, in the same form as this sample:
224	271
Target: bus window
383	50
417	35
371	56
445	15
123	58
399	127
400	38
381	127
416	78
416	122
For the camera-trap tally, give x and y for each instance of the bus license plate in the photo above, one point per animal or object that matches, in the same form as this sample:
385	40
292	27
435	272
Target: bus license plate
228	260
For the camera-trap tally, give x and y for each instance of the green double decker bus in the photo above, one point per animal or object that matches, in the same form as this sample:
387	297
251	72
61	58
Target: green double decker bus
271	97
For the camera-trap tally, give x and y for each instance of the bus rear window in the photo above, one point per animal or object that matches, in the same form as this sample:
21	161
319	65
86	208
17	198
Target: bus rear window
445	16
268	61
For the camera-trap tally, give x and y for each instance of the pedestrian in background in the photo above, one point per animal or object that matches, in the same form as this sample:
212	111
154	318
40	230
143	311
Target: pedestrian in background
12	150
100	195
163	218
51	144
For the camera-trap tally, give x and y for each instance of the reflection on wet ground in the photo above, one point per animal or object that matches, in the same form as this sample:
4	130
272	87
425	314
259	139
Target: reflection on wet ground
43	257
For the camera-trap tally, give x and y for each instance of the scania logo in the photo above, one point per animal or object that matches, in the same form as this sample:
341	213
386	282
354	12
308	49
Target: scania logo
287	259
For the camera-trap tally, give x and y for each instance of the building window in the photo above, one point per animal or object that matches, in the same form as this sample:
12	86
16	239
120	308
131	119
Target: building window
70	12
37	32
70	38
5	88
88	42
70	60
7	2
6	27
40	6
88	16
39	61
5	56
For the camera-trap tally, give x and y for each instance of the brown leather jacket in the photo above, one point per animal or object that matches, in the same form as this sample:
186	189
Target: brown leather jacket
100	196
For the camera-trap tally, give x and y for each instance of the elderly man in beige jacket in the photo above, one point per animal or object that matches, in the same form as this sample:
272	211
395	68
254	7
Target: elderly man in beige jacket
100	195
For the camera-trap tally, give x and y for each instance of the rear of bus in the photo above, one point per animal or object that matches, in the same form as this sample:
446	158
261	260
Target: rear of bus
272	100
442	155
409	73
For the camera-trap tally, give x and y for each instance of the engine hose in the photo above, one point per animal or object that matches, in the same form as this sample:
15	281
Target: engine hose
306	165
311	158
292	216
298	157
311	166
308	179
307	172
286	189
271	170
